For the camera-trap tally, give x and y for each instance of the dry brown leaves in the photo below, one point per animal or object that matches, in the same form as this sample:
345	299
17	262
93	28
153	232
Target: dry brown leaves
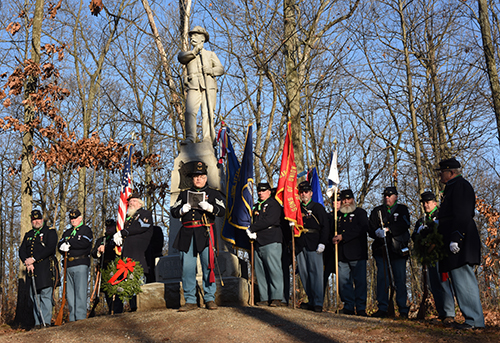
95	7
492	216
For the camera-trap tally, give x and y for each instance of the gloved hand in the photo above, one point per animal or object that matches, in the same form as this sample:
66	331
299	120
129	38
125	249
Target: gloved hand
454	247
292	224
320	248
118	239
420	228
205	206
380	233
65	247
251	235
185	209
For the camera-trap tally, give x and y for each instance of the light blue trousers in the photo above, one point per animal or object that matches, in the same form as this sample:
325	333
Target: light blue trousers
77	284
310	265
188	261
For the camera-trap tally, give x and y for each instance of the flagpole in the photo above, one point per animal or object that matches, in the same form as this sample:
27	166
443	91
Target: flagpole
252	287
335	215
293	270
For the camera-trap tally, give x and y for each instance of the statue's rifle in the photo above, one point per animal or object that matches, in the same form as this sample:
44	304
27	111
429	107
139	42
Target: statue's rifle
210	124
392	286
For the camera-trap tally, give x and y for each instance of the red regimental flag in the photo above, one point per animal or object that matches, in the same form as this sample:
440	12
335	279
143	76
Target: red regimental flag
287	193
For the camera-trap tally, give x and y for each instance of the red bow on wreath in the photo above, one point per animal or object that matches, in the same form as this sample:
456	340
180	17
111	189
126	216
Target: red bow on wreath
122	268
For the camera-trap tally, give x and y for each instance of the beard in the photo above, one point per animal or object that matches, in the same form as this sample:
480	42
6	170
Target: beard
131	211
348	208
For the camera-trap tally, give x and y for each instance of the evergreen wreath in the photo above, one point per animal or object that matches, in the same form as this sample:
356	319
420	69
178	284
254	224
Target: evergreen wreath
428	245
125	287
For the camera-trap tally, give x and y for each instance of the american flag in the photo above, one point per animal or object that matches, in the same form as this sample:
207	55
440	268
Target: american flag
126	189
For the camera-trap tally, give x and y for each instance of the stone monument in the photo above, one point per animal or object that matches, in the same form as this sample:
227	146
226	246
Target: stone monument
201	89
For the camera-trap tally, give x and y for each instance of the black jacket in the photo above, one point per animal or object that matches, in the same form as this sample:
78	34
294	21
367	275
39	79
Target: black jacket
267	219
81	244
456	224
316	224
425	220
42	248
136	233
195	217
398	222
353	227
109	250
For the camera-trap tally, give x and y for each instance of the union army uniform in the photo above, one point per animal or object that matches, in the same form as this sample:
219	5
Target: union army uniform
459	230
397	219
40	244
266	225
353	253
109	256
441	290
309	248
79	239
197	236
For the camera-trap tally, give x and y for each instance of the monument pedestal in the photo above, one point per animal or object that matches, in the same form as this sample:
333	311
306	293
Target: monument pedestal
167	291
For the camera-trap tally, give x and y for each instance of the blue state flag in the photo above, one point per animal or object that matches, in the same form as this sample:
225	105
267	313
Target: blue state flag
239	187
313	179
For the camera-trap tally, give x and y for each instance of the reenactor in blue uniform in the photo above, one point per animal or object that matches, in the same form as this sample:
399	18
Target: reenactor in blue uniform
353	253
441	290
135	236
266	231
310	246
197	236
77	242
460	234
396	222
104	249
37	252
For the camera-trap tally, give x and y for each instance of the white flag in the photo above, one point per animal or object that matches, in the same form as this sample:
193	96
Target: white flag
333	176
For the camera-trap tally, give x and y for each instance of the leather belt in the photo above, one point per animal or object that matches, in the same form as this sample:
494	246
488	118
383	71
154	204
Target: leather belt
77	257
195	223
311	230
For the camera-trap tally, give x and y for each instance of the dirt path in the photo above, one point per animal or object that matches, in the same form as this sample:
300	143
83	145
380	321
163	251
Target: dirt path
247	324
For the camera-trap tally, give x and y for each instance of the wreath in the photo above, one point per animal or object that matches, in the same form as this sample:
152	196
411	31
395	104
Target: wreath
122	278
428	245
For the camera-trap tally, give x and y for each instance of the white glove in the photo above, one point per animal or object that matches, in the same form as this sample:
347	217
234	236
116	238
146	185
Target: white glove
292	224
205	206
454	247
118	239
251	235
380	233
320	248
185	209
65	247
420	228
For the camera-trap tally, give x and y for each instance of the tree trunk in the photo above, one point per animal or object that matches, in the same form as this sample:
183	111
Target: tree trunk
23	316
489	55
292	81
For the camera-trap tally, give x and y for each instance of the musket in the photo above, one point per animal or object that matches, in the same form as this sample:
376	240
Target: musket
61	310
37	302
392	286
210	124
94	298
423	304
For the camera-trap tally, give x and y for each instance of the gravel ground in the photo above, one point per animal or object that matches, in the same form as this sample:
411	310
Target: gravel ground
249	324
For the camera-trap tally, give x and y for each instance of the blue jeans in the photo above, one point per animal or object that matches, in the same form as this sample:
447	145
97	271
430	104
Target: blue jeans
77	282
44	297
442	293
349	273
188	261
268	271
383	284
466	290
310	265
